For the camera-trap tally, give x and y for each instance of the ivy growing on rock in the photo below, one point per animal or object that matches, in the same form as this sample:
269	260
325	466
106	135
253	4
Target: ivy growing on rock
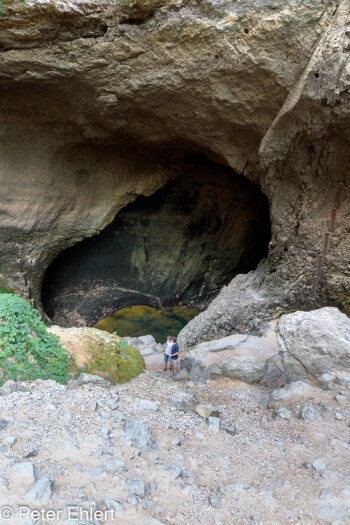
27	350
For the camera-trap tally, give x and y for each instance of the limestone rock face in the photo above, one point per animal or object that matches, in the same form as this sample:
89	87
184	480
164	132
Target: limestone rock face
314	343
100	101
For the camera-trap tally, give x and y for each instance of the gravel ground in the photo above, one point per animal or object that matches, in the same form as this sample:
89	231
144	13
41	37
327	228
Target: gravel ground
261	467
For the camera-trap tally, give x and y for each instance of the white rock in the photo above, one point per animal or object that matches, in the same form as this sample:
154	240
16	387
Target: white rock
24	475
146	404
313	343
214	424
41	492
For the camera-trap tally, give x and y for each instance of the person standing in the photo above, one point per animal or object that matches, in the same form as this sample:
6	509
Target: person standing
167	353
174	357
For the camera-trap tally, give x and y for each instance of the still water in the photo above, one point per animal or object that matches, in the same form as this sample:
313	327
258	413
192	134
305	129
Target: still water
142	320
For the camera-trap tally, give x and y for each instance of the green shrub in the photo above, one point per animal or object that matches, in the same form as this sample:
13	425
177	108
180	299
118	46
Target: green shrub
27	350
4	2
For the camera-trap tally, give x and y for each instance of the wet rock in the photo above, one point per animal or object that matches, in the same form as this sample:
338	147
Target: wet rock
313	343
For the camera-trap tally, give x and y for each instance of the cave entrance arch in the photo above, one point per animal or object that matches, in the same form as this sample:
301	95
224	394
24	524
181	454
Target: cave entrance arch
179	246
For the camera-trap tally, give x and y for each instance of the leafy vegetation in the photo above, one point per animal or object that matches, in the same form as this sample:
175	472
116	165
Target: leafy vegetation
27	350
6	290
4	2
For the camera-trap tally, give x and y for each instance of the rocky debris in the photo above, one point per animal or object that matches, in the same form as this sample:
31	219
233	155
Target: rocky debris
117	506
214	424
204	411
146	404
274	376
314	343
332	380
146	344
139	435
183	401
137	488
310	411
24	475
175	469
40	492
292	392
11	386
32	453
319	465
214	500
231	429
82	444
282	413
86	379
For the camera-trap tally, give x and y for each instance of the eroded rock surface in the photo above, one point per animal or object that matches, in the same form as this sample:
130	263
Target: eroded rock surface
314	343
99	101
237	356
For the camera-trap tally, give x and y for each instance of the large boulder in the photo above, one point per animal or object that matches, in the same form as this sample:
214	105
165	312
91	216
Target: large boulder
246	368
313	343
238	356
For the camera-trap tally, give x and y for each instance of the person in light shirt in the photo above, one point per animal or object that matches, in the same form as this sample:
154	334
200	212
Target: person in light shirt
167	353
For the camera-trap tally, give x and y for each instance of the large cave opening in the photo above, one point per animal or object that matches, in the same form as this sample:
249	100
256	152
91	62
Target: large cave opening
179	246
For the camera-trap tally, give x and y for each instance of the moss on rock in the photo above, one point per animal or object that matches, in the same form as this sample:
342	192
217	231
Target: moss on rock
99	353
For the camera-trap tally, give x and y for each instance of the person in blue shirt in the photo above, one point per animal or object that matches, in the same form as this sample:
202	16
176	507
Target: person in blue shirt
174	356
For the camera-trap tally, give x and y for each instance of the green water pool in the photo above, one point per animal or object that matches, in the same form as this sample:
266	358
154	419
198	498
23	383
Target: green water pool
142	320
